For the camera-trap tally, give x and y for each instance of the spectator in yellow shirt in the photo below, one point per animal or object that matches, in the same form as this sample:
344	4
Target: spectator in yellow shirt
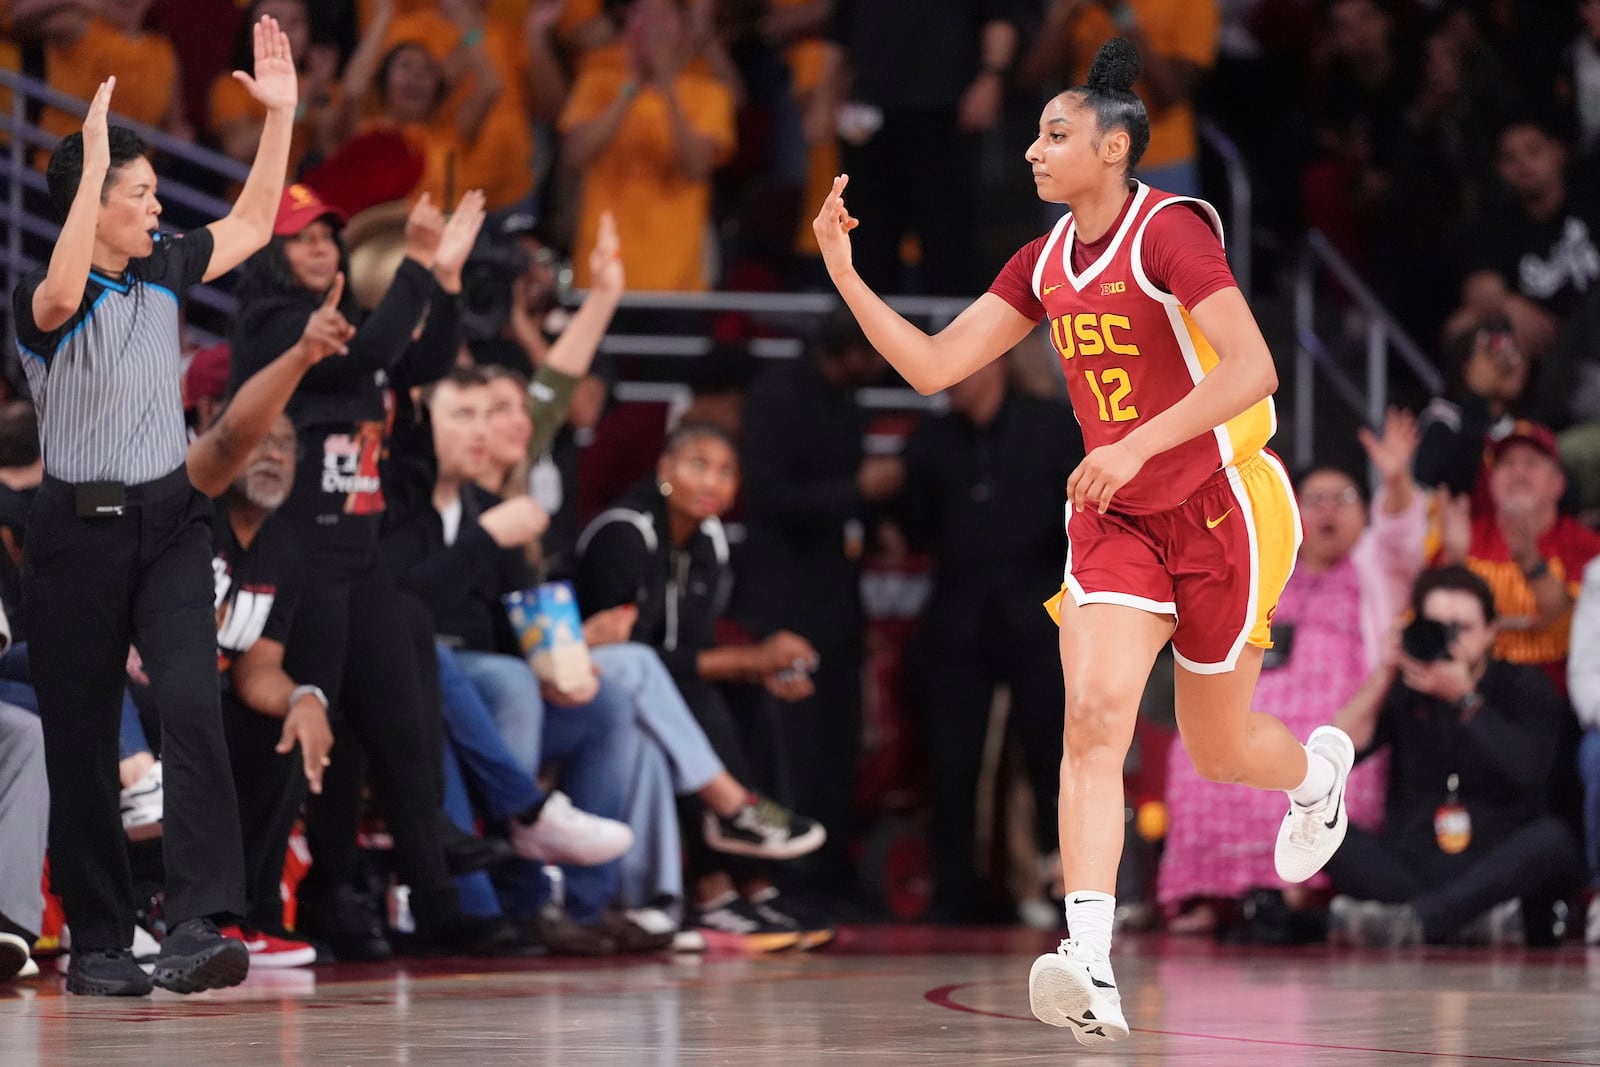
644	133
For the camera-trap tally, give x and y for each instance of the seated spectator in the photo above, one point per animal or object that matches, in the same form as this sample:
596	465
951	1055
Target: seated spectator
655	568
234	118
1583	673
644	134
1472	741
24	823
1355	569
1535	256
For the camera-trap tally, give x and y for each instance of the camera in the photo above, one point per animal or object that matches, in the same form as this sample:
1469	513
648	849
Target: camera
1428	640
486	286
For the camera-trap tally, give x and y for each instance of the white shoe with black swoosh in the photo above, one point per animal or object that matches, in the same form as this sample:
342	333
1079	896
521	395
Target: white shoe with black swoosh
1065	988
1309	836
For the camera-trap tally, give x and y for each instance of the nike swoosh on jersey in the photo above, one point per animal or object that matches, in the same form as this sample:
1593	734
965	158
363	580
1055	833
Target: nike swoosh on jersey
1212	524
1052	288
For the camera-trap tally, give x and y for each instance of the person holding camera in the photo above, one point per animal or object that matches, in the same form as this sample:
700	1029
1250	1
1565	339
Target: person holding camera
1472	742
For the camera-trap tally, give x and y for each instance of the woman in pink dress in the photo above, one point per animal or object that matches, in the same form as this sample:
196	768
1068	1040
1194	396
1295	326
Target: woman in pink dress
1335	617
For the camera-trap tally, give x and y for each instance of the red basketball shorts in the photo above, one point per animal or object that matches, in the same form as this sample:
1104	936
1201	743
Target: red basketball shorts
1217	562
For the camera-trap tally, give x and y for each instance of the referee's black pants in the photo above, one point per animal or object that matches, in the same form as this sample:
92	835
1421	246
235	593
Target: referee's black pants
90	586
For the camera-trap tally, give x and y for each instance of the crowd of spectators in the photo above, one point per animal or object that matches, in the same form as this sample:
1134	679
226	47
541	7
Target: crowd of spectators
700	782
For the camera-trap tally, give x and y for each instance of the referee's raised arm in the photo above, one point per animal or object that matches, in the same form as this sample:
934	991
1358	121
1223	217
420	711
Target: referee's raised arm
61	293
248	227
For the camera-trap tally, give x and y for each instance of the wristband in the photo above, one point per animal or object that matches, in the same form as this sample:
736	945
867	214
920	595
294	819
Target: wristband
1123	17
1537	571
303	690
472	38
630	89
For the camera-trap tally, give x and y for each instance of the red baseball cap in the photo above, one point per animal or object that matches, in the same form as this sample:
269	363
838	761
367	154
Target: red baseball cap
299	208
207	376
1526	432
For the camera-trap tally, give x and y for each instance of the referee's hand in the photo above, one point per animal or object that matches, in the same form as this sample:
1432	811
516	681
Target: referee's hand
327	331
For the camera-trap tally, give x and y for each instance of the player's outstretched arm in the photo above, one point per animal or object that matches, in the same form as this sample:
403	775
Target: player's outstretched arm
248	227
979	335
58	297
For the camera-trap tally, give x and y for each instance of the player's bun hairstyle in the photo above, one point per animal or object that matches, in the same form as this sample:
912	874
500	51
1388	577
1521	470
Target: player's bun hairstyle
1108	92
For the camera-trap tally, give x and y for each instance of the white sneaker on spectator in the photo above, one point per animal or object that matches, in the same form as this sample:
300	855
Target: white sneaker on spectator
1591	923
29	969
142	804
1310	835
1066	988
565	834
14	955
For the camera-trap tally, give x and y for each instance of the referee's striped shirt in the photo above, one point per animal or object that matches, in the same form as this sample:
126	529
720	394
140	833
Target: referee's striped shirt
106	382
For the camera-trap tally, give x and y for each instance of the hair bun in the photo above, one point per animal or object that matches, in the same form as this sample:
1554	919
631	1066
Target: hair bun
1116	67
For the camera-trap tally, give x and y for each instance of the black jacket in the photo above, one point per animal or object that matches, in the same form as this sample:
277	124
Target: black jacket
343	409
1504	756
626	556
461	582
801	451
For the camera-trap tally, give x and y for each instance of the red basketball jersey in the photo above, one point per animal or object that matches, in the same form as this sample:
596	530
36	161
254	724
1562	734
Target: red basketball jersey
1130	351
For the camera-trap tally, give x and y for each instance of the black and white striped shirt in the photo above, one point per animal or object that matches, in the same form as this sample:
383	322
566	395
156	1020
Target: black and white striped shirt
106	382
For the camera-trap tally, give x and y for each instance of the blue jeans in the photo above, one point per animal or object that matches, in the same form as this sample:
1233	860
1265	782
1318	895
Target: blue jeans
589	742
505	788
1589	771
16	688
475	890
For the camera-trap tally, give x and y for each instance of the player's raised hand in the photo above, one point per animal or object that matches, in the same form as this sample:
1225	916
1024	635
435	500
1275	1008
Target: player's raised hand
832	227
1392	453
1102	472
327	330
274	84
96	141
605	261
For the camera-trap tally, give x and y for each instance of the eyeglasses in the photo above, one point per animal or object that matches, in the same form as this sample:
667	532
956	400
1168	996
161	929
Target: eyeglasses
1330	498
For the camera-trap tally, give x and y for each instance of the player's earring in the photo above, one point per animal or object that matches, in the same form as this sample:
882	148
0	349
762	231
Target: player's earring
666	488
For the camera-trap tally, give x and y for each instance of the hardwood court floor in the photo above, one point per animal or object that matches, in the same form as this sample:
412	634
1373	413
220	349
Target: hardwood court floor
879	997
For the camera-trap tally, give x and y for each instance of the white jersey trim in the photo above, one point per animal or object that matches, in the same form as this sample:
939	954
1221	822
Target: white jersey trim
1044	257
1140	195
1137	252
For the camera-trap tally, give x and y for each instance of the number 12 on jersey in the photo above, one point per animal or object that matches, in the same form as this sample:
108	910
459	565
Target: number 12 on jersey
1111	388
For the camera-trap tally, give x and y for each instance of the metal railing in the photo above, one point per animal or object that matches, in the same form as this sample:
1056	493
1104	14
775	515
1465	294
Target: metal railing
1383	337
1241	197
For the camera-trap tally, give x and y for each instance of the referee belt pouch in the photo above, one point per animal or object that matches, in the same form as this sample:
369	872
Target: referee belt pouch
100	500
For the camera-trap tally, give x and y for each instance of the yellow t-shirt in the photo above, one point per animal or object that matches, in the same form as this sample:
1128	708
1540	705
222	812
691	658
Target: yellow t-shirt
1178	29
231	102
500	160
661	214
146	67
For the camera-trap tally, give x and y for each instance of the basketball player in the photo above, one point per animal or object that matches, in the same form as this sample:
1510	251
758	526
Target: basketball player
1180	524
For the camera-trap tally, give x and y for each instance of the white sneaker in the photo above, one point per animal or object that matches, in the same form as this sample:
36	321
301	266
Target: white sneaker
564	834
13	955
1064	991
142	804
1591	925
1309	836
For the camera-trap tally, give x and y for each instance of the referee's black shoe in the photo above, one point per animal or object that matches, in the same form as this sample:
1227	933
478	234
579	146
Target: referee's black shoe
195	957
111	973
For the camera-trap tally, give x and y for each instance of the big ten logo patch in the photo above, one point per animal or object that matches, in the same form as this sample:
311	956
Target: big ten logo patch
1090	334
1113	288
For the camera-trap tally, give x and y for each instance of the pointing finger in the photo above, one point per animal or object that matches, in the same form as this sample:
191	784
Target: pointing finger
335	292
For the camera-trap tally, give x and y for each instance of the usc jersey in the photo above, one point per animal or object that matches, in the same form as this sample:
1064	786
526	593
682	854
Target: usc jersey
1127	345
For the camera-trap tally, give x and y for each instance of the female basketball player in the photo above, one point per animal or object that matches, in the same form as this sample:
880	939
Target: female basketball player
1180	525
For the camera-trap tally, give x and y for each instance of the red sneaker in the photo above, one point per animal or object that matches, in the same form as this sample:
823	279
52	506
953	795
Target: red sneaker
267	950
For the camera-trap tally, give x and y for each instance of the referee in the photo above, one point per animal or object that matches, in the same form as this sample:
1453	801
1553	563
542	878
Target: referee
119	541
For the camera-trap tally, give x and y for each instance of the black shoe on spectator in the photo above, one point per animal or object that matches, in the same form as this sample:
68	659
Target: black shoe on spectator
107	974
196	957
14	955
465	934
346	923
465	853
765	829
635	932
815	929
761	933
561	935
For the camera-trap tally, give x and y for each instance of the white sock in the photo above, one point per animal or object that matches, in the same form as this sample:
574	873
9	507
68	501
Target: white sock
1090	917
1320	774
